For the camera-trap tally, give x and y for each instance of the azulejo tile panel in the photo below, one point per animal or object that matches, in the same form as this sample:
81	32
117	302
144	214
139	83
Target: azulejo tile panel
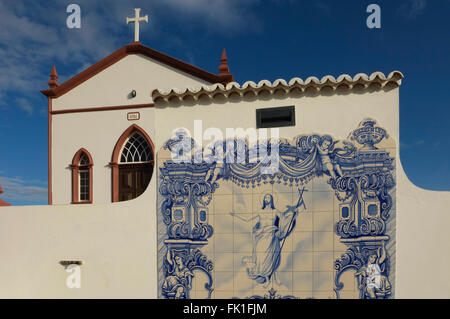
322	225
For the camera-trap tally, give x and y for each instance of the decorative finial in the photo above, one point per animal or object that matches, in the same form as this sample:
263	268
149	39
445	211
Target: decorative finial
367	134
136	21
53	78
223	68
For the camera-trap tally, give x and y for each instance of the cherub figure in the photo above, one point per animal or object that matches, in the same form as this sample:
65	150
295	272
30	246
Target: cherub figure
214	157
324	150
214	171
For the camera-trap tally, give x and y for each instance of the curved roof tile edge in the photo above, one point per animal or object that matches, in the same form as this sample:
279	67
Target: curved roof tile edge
360	80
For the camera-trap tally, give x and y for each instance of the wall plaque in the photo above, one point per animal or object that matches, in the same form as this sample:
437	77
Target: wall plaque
133	116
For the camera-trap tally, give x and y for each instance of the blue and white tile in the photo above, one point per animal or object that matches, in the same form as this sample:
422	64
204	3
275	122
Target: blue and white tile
223	261
302	281
323	221
323	281
223	243
242	203
320	184
223	280
304	222
285	262
225	188
324	261
223	224
243	243
303	261
323	241
322	201
302	241
222	204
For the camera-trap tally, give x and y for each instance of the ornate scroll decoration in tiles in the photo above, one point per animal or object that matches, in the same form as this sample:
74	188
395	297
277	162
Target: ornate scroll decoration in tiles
225	202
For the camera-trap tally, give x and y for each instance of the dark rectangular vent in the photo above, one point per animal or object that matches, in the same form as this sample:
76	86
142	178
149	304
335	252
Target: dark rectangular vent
275	117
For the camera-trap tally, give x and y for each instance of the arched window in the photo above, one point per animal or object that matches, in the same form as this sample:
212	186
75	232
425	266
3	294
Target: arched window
132	164
136	150
82	177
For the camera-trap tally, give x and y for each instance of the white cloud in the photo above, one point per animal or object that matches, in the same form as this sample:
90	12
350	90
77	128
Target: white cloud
325	7
412	8
33	36
223	15
19	189
414	144
24	105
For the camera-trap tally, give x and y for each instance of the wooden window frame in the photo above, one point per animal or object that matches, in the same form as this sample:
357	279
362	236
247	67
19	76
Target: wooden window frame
135	167
75	166
115	161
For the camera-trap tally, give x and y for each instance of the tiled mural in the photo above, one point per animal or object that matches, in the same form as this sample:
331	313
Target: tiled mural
321	226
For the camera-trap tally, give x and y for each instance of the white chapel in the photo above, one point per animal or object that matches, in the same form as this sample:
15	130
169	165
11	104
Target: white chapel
337	218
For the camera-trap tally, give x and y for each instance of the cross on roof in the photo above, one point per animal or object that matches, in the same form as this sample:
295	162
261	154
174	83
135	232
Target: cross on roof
136	21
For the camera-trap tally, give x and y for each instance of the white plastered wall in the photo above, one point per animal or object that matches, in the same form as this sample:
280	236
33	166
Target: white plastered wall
336	115
116	242
423	254
112	86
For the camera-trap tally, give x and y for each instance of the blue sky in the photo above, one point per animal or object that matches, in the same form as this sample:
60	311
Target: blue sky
267	39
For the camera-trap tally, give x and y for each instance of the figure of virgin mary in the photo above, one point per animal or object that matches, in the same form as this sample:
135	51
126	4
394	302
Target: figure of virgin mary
269	232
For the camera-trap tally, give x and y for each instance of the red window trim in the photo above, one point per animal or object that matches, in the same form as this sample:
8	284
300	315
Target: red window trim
75	166
115	157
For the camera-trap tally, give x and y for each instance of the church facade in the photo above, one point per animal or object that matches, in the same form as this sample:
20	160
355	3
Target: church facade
168	181
124	106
